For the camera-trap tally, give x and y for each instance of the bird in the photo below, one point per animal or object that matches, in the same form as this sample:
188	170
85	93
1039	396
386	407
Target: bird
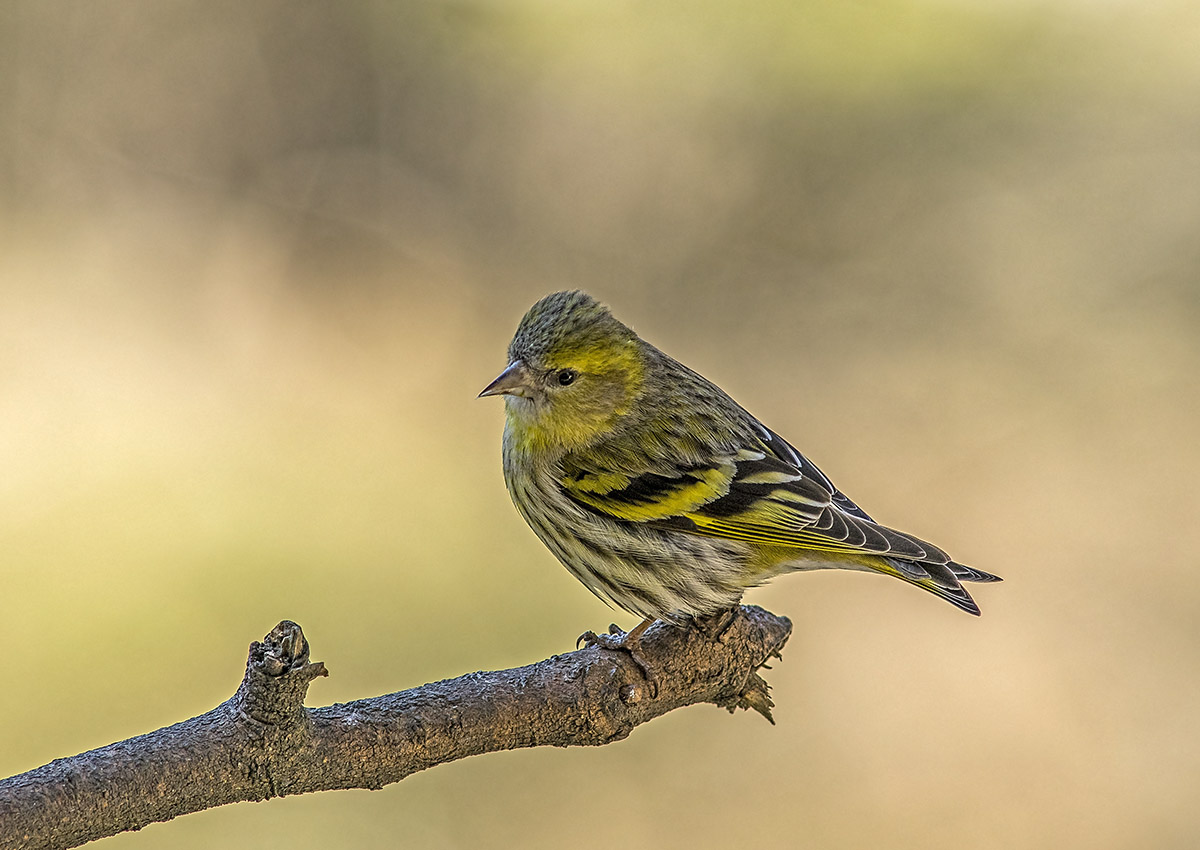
663	495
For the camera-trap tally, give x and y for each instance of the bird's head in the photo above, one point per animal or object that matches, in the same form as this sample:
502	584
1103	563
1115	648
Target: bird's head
573	371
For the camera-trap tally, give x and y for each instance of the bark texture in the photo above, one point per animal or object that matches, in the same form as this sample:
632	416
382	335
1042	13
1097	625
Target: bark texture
264	743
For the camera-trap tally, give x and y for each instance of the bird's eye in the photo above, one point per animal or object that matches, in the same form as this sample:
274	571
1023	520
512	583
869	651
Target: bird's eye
566	377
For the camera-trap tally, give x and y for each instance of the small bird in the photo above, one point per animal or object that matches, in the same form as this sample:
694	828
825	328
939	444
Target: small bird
661	493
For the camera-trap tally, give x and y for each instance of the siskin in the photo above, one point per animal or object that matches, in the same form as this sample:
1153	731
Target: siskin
661	493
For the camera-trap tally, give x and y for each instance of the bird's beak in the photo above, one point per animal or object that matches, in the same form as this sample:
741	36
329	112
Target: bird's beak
512	381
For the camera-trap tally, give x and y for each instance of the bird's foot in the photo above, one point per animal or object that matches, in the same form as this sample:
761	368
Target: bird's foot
714	626
629	642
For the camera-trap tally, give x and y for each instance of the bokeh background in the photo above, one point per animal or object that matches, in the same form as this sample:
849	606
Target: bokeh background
256	259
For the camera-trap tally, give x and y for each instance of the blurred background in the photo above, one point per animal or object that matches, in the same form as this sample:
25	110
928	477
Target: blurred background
256	260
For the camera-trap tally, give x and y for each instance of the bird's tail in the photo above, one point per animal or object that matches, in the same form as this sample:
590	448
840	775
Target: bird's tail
944	580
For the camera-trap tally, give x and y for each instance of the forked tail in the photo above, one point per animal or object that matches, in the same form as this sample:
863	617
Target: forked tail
944	580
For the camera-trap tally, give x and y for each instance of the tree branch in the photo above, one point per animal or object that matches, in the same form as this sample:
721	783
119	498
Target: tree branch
264	743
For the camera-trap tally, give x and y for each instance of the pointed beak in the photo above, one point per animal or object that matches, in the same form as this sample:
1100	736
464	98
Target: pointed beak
512	381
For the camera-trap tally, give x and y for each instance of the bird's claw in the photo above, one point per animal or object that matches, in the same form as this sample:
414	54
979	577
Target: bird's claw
589	637
627	642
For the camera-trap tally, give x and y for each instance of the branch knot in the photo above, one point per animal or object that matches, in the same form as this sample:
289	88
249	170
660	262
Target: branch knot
278	673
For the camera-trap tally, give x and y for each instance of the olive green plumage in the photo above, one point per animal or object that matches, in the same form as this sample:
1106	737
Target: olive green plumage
662	494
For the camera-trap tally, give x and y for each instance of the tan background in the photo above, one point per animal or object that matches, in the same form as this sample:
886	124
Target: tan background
257	259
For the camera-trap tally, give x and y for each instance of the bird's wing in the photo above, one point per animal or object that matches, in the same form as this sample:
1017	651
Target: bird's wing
788	453
755	495
649	496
